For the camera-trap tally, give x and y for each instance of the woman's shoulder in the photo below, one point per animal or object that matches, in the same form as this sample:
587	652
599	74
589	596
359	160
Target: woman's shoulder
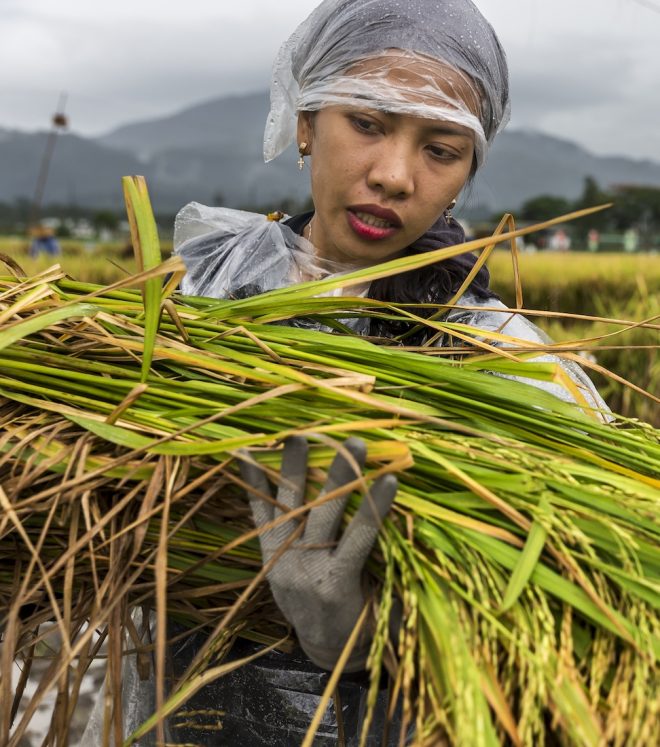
232	253
491	315
195	221
511	328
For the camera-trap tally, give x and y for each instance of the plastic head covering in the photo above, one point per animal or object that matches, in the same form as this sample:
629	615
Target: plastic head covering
438	59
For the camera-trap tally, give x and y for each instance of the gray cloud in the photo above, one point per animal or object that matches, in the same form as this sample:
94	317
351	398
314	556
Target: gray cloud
591	95
587	70
536	92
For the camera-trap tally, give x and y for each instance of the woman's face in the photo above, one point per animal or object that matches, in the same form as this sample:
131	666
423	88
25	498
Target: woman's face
380	180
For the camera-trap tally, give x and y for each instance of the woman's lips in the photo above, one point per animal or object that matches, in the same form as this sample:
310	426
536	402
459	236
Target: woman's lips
372	222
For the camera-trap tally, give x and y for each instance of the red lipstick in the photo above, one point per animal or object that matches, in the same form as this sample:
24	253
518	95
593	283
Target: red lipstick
373	222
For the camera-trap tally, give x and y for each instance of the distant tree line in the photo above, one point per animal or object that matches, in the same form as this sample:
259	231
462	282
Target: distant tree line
633	207
15	217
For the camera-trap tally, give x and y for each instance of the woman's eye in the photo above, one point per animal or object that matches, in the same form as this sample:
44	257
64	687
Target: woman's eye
364	125
442	154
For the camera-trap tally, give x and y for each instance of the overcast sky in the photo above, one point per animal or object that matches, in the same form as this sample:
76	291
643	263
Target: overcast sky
586	70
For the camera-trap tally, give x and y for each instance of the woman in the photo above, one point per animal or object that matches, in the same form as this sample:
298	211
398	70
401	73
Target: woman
395	104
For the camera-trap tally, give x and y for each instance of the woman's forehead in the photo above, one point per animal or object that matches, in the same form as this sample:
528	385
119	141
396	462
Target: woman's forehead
418	79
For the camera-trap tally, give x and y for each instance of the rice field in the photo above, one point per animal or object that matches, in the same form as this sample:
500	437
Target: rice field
578	282
607	286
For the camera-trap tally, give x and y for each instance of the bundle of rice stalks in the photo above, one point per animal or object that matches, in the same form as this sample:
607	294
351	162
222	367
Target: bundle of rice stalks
523	544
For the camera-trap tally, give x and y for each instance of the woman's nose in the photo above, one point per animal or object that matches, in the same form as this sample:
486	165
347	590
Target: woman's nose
392	170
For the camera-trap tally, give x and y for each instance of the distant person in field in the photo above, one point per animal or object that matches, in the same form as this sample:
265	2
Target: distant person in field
593	240
392	105
44	242
560	241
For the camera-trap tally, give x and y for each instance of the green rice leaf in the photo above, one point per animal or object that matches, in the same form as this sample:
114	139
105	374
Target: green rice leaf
37	322
529	557
144	234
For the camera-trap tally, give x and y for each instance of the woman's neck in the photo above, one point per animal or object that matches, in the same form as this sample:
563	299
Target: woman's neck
343	262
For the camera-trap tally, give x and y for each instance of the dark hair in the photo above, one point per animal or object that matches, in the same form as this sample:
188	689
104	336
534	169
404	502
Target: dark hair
431	285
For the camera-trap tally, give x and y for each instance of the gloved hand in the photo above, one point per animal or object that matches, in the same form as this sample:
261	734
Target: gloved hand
316	586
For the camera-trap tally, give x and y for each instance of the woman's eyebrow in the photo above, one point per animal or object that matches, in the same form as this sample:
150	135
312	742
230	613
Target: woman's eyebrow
435	128
446	129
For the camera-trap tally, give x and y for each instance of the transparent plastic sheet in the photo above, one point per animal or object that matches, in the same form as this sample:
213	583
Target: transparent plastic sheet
233	253
236	254
438	59
138	696
515	325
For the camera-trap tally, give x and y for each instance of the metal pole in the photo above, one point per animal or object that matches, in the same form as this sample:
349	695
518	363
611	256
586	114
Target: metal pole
58	122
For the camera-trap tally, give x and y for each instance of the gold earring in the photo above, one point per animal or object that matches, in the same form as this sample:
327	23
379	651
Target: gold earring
301	160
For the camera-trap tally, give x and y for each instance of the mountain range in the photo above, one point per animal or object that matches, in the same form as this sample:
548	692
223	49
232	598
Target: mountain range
211	153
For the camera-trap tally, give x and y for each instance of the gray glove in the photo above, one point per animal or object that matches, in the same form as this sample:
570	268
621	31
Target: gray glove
318	588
